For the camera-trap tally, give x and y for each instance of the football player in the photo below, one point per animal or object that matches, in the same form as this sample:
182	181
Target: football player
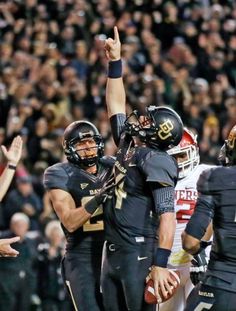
143	204
187	156
74	188
216	203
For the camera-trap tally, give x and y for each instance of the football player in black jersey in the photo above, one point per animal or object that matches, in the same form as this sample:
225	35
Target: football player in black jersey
216	202
143	203
74	188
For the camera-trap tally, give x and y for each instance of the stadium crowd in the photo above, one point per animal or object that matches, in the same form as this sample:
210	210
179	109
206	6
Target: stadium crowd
53	71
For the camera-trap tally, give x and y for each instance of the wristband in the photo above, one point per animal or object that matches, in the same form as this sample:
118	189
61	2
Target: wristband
115	69
11	167
161	257
91	205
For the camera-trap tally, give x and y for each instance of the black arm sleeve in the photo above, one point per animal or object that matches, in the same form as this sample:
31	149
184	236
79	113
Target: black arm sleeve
202	216
117	124
163	198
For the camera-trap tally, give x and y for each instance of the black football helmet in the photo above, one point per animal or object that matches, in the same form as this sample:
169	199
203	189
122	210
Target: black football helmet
76	132
163	129
230	147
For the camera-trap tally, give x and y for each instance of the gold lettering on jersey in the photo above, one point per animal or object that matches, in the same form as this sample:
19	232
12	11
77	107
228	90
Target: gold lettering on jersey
83	186
165	130
205	294
98	226
95	226
93	191
120	168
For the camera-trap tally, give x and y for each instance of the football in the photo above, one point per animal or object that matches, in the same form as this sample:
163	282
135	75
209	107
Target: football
149	294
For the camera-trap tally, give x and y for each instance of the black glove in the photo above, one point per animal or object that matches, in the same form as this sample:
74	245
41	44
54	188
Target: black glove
101	196
199	266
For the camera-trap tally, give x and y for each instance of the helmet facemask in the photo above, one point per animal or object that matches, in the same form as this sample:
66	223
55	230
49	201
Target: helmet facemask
86	161
160	128
83	131
189	151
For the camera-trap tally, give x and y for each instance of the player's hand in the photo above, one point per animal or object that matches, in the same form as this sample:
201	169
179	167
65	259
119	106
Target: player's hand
106	191
162	281
13	155
199	267
5	248
113	47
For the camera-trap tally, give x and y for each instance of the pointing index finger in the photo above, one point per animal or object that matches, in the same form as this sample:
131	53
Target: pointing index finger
116	34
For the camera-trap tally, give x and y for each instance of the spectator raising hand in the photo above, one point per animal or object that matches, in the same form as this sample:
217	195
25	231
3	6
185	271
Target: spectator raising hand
14	153
13	156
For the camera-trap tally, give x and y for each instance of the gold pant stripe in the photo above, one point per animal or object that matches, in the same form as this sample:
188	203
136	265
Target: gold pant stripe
72	297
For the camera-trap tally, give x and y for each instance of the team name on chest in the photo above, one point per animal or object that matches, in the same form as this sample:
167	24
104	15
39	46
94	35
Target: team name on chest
186	194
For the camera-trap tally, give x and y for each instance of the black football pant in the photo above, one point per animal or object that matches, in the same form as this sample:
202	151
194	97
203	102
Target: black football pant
123	278
81	274
204	297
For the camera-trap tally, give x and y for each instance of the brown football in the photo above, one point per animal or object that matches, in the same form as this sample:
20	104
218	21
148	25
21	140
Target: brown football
149	294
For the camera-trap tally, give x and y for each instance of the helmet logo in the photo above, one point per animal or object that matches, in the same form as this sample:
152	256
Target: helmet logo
165	130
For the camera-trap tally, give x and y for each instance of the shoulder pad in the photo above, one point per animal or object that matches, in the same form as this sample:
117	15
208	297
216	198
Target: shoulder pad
217	179
108	161
159	167
55	177
204	183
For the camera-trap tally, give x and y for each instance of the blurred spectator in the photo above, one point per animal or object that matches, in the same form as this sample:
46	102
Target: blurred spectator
17	275
23	199
50	285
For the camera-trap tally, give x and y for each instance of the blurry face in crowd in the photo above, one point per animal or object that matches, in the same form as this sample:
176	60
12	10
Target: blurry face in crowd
19	227
25	188
56	236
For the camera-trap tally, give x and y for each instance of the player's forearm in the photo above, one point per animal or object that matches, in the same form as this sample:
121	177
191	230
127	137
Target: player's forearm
166	237
190	244
209	232
5	180
75	219
167	230
115	95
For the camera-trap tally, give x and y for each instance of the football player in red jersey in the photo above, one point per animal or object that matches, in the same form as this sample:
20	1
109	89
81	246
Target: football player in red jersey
187	156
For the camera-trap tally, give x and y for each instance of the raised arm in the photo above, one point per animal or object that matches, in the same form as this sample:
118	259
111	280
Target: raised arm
13	156
115	92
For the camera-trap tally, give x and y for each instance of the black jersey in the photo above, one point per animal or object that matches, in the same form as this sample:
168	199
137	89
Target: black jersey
82	186
220	184
130	215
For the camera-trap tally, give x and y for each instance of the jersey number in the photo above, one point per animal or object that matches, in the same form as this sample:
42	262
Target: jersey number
98	225
203	305
120	195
